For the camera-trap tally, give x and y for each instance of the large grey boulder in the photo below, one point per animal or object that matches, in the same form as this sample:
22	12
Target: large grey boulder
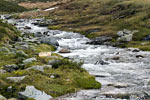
50	40
32	92
2	97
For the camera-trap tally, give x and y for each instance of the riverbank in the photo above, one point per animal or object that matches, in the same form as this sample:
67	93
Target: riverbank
27	61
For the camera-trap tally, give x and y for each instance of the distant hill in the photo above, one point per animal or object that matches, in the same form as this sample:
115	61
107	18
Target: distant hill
6	6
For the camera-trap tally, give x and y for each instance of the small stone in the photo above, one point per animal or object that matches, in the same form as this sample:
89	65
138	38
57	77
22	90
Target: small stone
64	51
40	68
119	85
27	27
120	33
52	76
45	54
116	58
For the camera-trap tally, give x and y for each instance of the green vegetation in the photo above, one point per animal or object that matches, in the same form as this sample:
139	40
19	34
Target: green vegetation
7	32
64	77
6	6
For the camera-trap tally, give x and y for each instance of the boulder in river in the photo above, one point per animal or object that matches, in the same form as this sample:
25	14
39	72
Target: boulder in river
64	51
100	40
51	40
27	27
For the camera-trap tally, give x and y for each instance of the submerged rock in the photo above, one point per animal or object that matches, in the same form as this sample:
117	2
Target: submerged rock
32	92
64	51
50	40
100	40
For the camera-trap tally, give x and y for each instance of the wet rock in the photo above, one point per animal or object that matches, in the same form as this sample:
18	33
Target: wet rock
64	51
101	62
113	94
27	27
134	49
101	74
38	34
45	54
16	79
100	40
10	68
119	85
30	60
2	97
40	68
139	56
116	58
50	40
32	92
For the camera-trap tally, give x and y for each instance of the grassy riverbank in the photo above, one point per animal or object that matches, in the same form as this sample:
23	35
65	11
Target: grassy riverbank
63	77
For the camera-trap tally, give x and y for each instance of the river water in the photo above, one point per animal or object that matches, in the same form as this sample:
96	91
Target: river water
123	73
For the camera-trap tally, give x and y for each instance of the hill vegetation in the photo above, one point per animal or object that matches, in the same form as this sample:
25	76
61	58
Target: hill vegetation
6	6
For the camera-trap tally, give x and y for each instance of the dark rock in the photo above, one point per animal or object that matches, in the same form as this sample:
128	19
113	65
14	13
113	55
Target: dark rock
139	56
50	40
64	51
101	62
10	68
38	34
100	40
146	38
27	27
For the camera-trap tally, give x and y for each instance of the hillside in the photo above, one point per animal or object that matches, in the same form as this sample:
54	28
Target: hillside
95	18
6	6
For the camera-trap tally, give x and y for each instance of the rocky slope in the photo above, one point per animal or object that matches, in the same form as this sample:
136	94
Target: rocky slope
6	6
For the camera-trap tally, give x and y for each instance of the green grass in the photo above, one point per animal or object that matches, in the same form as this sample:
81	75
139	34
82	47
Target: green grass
95	18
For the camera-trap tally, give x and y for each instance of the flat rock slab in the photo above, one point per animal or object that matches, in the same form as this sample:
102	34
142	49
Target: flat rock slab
16	79
32	92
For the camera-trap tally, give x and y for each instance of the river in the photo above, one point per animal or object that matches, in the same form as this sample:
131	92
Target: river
123	73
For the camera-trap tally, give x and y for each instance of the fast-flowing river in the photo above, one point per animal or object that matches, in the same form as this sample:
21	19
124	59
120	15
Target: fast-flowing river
124	73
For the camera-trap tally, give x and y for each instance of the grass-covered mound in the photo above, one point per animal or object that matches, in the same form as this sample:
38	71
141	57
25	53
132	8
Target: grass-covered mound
104	17
7	32
6	6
